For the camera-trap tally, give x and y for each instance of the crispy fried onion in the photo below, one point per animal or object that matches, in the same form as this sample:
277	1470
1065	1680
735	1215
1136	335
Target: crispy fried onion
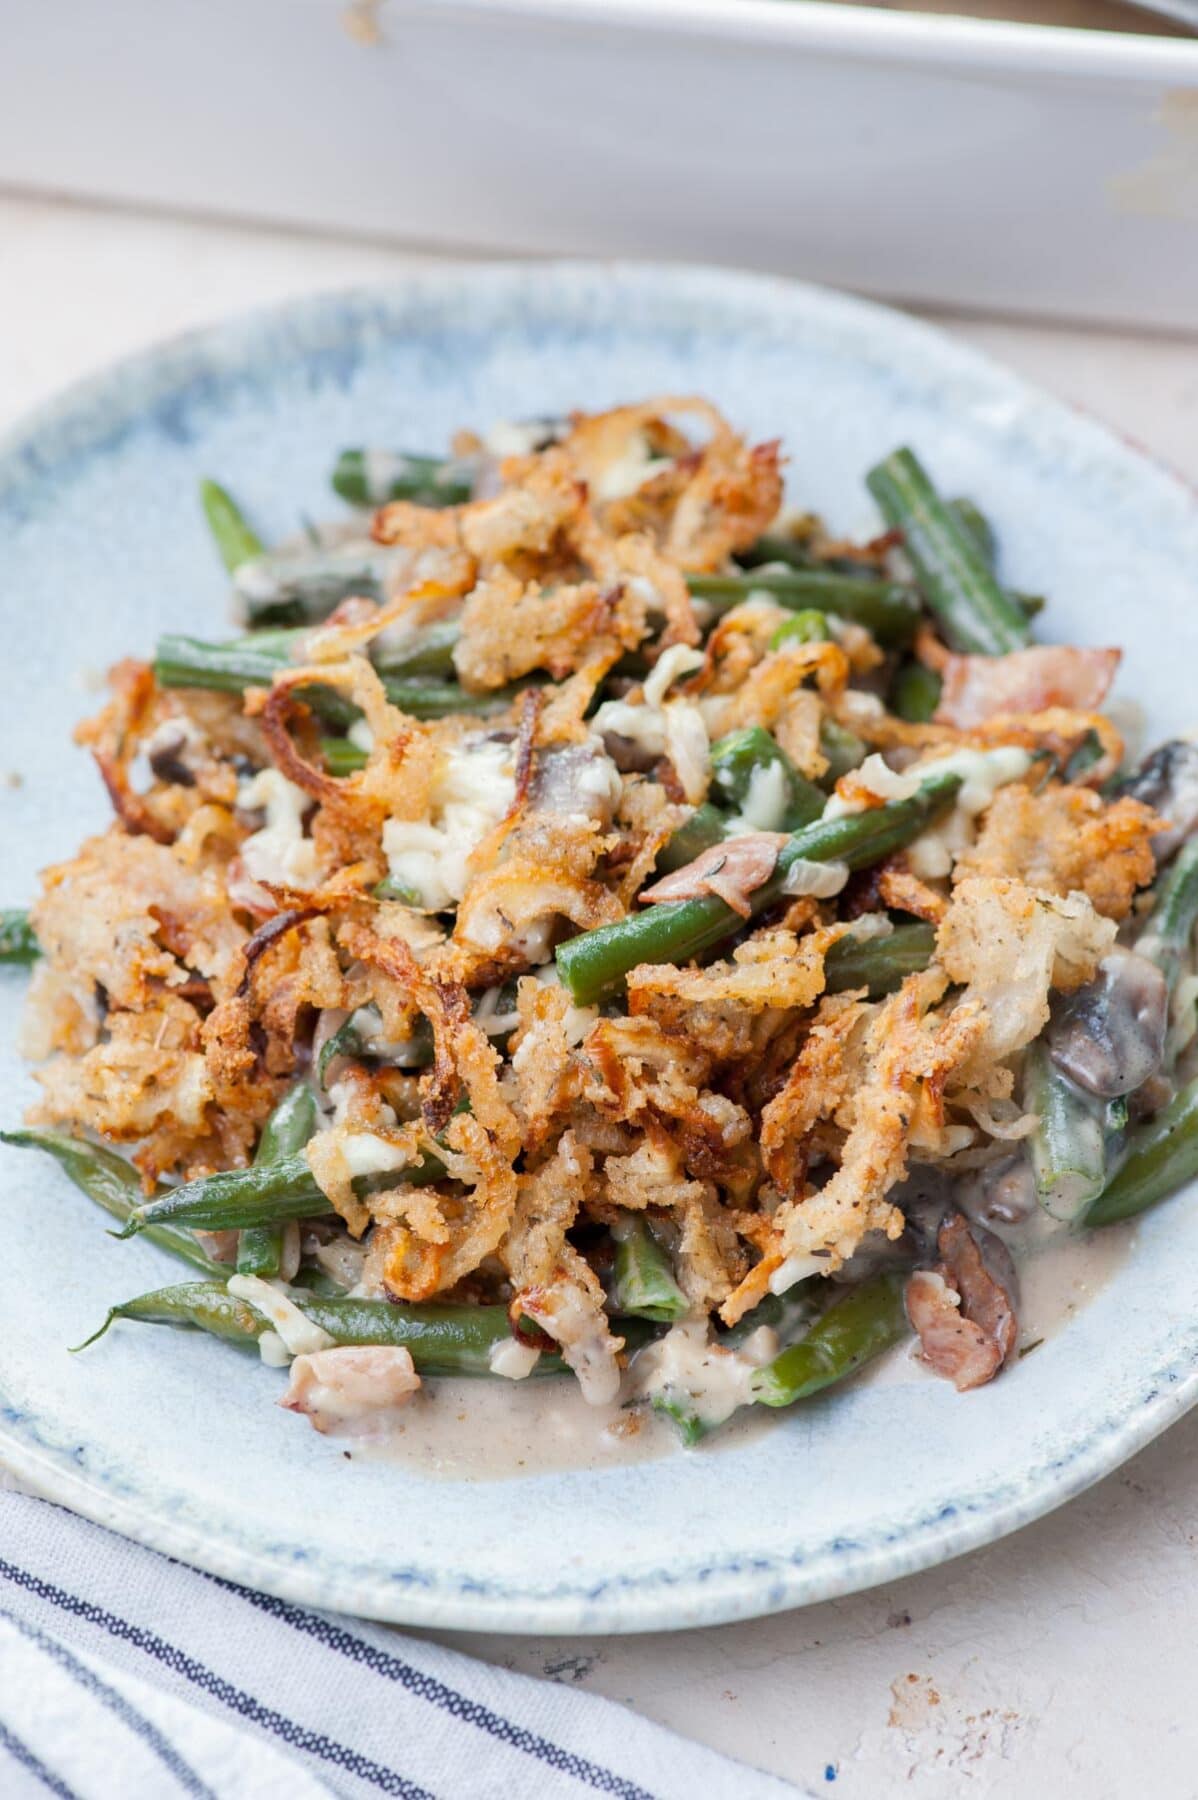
369	793
774	968
478	1147
964	1317
764	695
706	504
511	908
545	1063
555	1286
902	891
348	632
1009	945
1067	840
876	1070
133	722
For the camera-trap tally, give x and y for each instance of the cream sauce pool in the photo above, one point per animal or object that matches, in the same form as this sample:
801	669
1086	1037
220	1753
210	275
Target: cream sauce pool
503	1430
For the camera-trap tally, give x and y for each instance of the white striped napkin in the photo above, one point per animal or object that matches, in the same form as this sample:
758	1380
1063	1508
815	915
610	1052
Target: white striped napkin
125	1676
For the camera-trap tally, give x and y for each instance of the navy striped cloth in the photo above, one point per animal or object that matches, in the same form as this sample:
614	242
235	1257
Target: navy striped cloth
125	1676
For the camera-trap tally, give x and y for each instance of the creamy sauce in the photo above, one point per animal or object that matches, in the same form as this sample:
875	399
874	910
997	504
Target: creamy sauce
460	1430
497	1431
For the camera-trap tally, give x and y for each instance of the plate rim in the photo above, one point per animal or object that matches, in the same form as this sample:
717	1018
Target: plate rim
726	1591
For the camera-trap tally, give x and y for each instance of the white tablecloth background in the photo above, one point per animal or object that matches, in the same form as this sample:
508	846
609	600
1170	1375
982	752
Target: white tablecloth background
1058	1663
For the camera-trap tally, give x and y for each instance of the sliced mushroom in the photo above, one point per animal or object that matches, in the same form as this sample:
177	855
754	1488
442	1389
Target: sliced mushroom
965	1318
1109	1036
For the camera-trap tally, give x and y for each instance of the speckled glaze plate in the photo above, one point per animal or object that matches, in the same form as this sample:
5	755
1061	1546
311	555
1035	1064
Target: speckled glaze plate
174	1439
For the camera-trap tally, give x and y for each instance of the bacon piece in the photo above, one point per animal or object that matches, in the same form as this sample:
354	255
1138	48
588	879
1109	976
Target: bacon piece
964	1317
351	1383
1026	681
733	870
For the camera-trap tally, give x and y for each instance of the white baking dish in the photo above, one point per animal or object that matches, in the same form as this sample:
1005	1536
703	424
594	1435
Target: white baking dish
931	158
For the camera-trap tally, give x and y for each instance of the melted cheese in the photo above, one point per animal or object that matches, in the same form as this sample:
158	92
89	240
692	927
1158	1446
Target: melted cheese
766	800
472	790
299	1336
684	1368
662	727
982	773
365	1154
819	879
512	1360
630	470
279	853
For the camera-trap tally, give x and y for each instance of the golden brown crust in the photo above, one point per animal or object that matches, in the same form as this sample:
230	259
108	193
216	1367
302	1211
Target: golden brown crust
1067	840
199	954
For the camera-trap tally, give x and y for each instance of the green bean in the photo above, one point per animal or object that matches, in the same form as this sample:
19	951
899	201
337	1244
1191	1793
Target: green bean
982	532
955	578
114	1185
372	477
342	756
879	964
970	515
234	1199
228	667
346	1041
774	547
595	964
786	1314
851	1333
807	627
682	1412
1169	929
427	650
290	1125
315	1280
442	1339
738	763
352	1039
643	1284
915	693
1160	1157
1068	1146
842	747
234	537
302	587
391	888
18	944
888	610
440	699
254	661
705	827
201	1305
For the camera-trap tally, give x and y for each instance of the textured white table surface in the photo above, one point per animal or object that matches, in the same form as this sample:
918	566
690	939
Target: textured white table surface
1059	1663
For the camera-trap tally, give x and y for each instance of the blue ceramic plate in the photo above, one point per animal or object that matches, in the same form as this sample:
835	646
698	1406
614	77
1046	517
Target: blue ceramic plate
173	1439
